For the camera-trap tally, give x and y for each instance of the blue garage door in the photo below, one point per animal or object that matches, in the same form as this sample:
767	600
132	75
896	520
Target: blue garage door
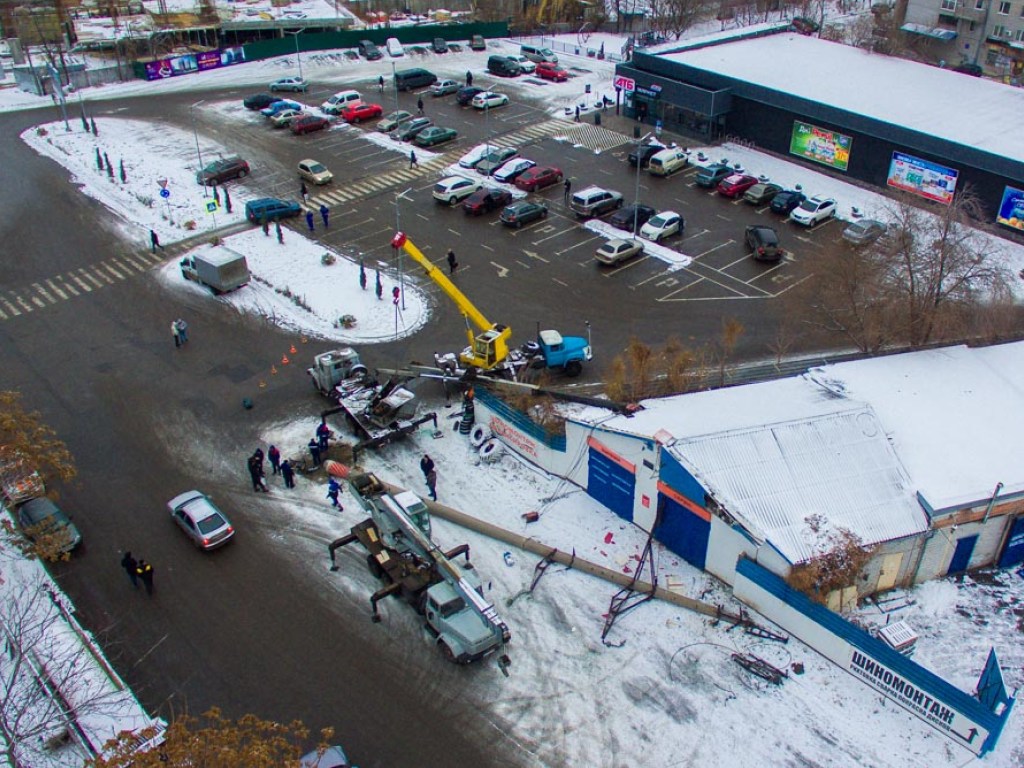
683	531
611	484
962	554
1013	552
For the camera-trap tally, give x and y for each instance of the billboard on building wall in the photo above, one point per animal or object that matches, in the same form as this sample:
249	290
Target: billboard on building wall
1011	209
194	62
820	145
921	177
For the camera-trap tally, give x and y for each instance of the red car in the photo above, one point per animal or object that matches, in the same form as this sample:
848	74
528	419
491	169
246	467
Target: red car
538	177
486	199
550	71
356	113
735	185
308	124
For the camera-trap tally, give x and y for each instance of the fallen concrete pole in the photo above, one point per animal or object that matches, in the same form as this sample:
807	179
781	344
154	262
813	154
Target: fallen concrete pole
530	544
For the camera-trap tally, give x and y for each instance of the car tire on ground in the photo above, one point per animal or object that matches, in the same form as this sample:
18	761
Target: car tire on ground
491	450
479	435
241	174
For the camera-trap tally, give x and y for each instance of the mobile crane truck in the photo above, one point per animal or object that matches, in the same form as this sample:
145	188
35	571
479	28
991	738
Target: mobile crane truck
400	550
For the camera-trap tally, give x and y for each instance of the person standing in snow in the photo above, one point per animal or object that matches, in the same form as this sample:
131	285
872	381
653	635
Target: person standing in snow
176	333
288	474
314	451
274	456
426	465
432	483
332	492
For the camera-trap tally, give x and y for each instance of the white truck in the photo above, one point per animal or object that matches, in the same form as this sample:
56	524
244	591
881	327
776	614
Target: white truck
217	267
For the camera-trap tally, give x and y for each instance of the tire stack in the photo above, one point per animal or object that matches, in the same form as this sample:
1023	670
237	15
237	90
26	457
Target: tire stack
488	447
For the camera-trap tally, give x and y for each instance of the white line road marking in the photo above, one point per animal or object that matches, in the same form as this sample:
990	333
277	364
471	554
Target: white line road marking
566	285
502	271
536	256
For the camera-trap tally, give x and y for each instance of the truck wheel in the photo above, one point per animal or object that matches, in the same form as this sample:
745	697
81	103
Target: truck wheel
241	174
421	603
374	566
446	651
479	435
491	451
573	368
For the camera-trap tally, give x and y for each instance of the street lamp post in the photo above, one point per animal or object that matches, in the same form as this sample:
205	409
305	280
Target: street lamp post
298	56
636	194
195	135
398	228
394	79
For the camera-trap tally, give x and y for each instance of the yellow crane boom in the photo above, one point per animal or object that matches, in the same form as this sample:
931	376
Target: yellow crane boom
487	349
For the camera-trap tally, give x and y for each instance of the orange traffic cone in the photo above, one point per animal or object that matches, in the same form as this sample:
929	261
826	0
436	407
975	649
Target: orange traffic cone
284	360
293	350
273	370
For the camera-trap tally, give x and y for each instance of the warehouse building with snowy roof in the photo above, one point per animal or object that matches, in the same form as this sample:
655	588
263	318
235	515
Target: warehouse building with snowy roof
889	122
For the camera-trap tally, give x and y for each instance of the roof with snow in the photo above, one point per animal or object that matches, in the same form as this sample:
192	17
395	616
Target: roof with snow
852	441
916	96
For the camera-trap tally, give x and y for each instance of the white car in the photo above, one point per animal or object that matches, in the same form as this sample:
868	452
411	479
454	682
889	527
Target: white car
662	225
489	100
814	210
455	188
200	519
284	118
294	84
474	156
507	173
394	47
339	101
525	64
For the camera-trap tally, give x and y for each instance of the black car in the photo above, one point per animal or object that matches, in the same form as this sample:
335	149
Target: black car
440	45
624	217
523	212
486	199
465	95
643	154
260	101
764	243
369	49
787	200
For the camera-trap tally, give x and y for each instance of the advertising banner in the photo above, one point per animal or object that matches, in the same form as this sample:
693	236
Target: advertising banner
1011	210
194	62
822	146
920	177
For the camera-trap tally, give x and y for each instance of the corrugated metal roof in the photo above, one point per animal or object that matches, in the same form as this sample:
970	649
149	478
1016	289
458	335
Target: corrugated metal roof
838	465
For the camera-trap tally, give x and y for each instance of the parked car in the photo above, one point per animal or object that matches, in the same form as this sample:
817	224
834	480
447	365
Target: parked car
314	172
332	757
280	106
433	135
489	100
527	66
486	199
440	45
667	161
339	101
19	479
42	521
260	101
356	113
709	176
523	212
786	200
493	160
222	170
594	201
761	194
284	118
967	68
197	515
538	177
270	209
393	119
632	217
510	170
804	26
464	95
549	71
537	54
407	79
614	252
477	43
814	211
763	243
293	84
664	224
454	189
643	154
864	231
444	87
407	131
735	185
394	47
369	50
308	124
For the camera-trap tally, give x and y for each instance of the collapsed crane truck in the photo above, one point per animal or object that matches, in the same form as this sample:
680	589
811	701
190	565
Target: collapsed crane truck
447	594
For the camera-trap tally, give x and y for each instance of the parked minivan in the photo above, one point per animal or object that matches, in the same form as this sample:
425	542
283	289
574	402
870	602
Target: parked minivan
503	66
413	78
537	54
667	161
394	47
594	201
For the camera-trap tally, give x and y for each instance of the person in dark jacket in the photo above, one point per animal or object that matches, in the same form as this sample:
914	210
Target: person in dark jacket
323	433
288	474
426	465
274	456
256	473
332	492
314	451
129	564
145	572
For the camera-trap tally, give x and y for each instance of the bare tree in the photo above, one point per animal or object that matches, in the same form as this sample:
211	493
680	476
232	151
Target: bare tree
839	556
680	15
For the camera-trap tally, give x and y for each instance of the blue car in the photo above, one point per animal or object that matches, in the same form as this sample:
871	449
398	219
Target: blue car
280	106
270	209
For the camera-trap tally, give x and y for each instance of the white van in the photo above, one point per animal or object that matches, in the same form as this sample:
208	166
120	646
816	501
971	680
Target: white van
667	161
395	48
339	101
537	54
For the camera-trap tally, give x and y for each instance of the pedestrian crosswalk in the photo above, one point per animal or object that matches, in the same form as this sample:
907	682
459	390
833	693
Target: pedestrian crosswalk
592	137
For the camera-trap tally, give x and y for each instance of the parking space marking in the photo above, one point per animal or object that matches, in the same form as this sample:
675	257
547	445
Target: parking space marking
557	234
534	255
560	282
621	268
577	245
522	264
352	226
502	271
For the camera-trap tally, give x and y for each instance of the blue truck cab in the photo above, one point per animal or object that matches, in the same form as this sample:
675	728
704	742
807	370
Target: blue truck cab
565	352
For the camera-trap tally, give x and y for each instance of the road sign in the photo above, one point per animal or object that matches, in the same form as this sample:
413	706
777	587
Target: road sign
211	206
657	128
162	183
625	83
165	193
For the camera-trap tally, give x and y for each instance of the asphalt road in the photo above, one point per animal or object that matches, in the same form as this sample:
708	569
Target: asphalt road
247	628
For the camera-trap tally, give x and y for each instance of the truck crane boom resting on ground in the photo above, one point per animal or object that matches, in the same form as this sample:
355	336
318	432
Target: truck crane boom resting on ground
448	595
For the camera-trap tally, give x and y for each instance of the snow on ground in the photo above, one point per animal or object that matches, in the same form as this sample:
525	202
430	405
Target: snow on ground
665	690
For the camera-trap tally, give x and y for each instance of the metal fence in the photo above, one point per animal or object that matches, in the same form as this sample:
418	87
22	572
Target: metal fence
560	46
520	420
